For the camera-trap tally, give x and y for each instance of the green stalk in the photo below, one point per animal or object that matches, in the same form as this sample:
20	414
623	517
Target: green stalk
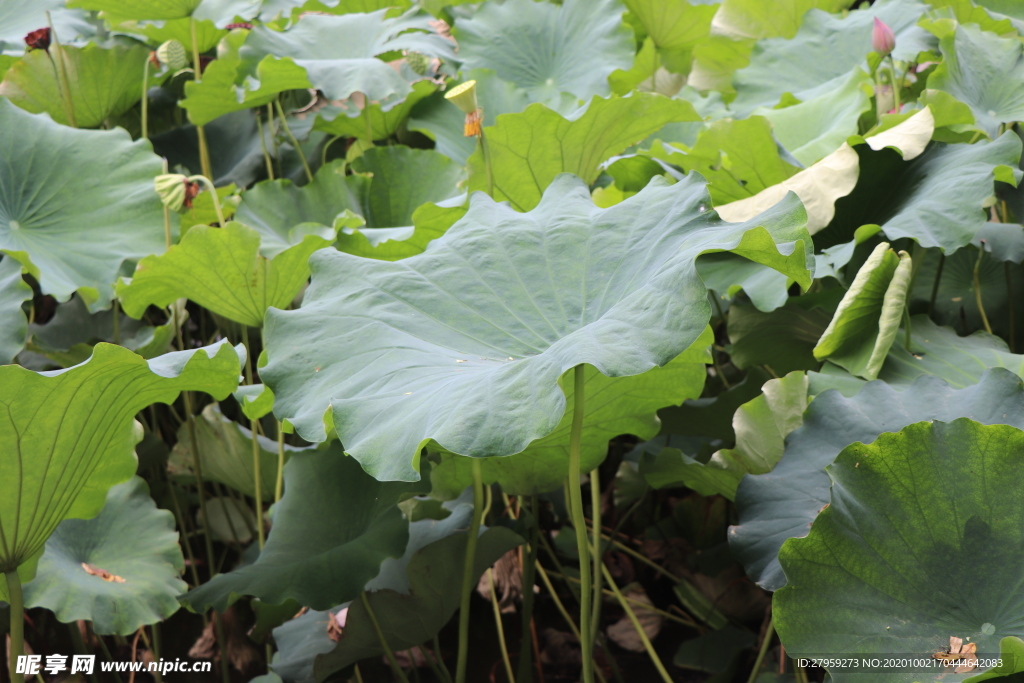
467	571
218	626
256	465
17	608
895	85
580	523
383	641
768	633
263	146
529	572
197	70
935	285
106	653
563	611
655	659
78	645
279	485
205	180
62	73
295	143
595	515
977	290
500	627
1009	302
440	662
487	161
145	100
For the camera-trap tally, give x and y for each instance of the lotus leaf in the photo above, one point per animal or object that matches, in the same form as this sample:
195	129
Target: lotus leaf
315	563
562	299
146	572
784	502
78	205
892	565
13	323
59	462
219	11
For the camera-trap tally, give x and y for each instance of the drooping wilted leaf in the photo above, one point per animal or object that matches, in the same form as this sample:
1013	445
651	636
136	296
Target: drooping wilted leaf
529	149
895	563
58	462
548	49
141	583
493	314
77	205
784	502
332	529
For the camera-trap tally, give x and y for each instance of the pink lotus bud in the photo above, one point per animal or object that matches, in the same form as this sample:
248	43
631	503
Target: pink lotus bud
882	38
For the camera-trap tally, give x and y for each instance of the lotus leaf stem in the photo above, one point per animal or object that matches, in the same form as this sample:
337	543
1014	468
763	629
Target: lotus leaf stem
579	521
487	162
145	100
528	562
383	641
768	633
935	285
17	608
205	180
61	73
295	143
218	626
279	484
624	603
440	661
500	626
895	85
977	289
467	571
263	146
197	70
598	559
106	653
257	474
563	611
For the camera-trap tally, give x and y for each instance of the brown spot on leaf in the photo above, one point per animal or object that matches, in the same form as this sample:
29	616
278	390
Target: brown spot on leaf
102	573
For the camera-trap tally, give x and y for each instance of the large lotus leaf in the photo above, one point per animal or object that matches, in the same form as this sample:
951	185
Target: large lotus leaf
429	222
738	158
529	149
922	540
332	529
465	343
761	425
784	502
104	83
348	118
220	12
824	50
813	129
222	270
984	71
69	336
19	17
338	55
753	19
67	436
546	48
612	406
149	566
225	448
13	324
438	119
869	316
935	199
435	580
783	339
76	204
157	32
674	25
216	94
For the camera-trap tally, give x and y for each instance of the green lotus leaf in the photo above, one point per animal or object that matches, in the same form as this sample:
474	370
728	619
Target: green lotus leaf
13	324
256	400
612	405
869	316
1004	241
813	129
149	567
674	27
496	311
19	17
217	94
1011	650
69	336
349	117
219	11
761	426
104	83
315	563
738	158
935	199
429	222
225	449
67	436
338	55
985	72
222	270
709	417
529	149
784	502
892	566
77	205
435	577
438	119
783	339
825	49
230	520
280	11
156	33
548	49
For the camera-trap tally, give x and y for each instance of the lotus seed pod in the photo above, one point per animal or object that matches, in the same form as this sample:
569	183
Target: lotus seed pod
464	97
172	188
172	53
417	62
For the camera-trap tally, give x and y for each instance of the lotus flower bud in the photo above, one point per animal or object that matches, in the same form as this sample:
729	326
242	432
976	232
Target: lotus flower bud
176	191
882	38
464	97
172	53
38	39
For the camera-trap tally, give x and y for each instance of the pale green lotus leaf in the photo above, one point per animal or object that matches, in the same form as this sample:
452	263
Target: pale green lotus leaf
432	360
14	291
19	17
67	436
221	12
147	570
